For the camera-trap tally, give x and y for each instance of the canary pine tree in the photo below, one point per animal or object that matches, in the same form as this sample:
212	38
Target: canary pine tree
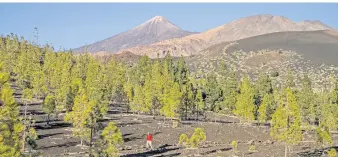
263	86
330	116
79	115
333	94
323	135
230	89
182	75
183	140
156	86
128	88
289	79
265	108
171	100
286	121
115	79
112	138
306	103
197	137
97	99
49	106
199	102
213	92
64	80
245	106
138	100
11	127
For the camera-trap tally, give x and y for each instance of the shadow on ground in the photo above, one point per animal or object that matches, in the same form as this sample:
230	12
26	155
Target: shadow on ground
68	144
48	135
215	150
52	126
316	152
160	150
131	123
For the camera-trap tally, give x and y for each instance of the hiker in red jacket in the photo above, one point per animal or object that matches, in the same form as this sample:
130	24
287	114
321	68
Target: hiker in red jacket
149	141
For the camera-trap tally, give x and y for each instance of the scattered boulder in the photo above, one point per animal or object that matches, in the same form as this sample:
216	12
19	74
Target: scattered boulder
268	142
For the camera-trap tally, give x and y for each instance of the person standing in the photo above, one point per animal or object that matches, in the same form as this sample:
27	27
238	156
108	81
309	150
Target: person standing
149	141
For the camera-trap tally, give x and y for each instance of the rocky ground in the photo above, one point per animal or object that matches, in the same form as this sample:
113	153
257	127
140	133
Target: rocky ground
57	140
269	61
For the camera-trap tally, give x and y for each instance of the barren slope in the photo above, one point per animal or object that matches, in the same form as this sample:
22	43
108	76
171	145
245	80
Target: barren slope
235	30
154	30
312	52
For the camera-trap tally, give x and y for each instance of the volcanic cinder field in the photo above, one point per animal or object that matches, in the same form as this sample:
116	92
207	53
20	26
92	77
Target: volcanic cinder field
221	130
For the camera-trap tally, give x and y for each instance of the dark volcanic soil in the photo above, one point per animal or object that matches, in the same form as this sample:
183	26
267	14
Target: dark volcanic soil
316	46
57	140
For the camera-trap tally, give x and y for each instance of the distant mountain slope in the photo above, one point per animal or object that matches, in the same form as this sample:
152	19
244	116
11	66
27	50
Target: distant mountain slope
235	30
154	30
312	52
317	46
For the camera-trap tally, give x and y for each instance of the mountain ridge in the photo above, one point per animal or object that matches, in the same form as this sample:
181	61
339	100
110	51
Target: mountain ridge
237	29
155	29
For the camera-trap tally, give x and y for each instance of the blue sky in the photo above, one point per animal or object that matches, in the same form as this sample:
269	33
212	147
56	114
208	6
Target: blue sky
71	25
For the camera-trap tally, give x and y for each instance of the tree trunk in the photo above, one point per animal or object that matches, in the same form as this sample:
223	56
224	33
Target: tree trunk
127	108
197	112
90	141
285	150
24	135
81	141
186	111
154	113
205	115
48	120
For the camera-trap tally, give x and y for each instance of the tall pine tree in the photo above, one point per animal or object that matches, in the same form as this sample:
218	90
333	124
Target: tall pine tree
245	106
286	121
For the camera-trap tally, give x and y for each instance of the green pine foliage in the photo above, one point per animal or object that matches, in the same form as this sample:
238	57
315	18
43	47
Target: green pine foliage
80	115
197	137
330	116
10	126
49	106
235	146
195	140
33	134
213	92
114	78
199	100
332	153
252	147
286	121
289	79
183	140
171	100
265	109
229	84
323	135
263	87
306	103
112	137
245	106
